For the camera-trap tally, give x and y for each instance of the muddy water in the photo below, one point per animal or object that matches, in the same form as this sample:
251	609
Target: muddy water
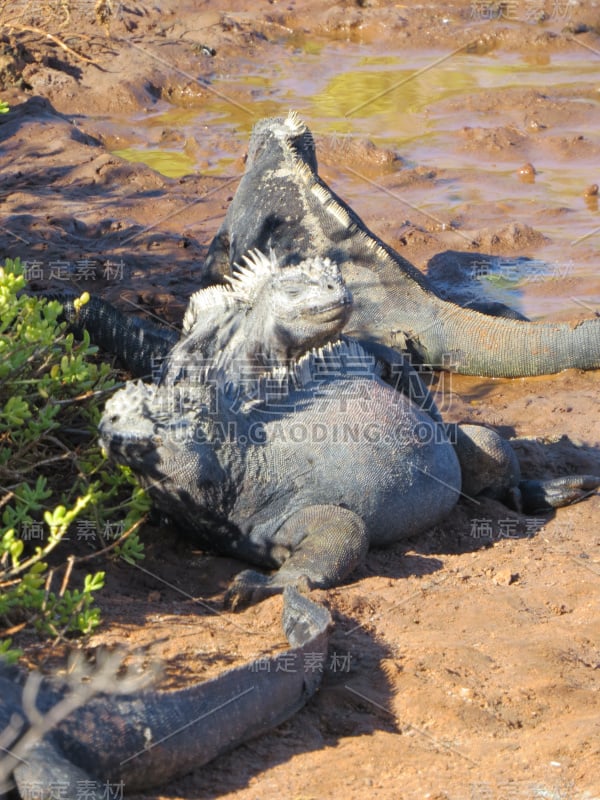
457	118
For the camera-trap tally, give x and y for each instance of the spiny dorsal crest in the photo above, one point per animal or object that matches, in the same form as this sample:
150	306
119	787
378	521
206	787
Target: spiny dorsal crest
313	371
298	141
331	205
308	176
250	277
243	288
344	358
295	124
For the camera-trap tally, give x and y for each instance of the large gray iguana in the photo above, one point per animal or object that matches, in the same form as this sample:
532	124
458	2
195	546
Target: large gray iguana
149	737
322	461
283	206
267	317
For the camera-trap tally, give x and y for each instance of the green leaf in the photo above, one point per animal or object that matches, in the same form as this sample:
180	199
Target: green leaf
51	462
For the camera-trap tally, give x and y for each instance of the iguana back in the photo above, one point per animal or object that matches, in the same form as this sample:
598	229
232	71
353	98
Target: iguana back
283	205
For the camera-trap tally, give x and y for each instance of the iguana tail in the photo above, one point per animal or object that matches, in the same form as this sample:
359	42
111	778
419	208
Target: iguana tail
539	496
143	739
472	343
139	344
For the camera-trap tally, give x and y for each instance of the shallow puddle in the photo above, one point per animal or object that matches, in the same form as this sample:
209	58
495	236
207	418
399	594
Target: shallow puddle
419	104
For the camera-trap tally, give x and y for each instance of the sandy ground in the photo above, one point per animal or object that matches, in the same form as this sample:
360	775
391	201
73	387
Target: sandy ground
464	665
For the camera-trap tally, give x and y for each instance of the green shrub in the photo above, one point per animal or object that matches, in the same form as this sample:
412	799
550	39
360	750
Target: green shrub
54	479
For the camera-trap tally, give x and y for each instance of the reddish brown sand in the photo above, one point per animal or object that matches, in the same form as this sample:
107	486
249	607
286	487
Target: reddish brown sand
464	664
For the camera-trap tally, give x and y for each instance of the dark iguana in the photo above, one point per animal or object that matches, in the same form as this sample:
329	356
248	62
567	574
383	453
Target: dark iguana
325	461
283	205
149	737
269	316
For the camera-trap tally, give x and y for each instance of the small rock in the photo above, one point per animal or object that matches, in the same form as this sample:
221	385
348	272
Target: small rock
527	173
505	577
559	610
576	28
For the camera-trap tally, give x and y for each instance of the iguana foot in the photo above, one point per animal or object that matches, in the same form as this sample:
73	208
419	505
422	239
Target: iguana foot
326	542
545	495
249	587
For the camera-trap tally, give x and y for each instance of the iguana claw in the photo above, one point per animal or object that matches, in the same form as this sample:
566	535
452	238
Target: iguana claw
250	586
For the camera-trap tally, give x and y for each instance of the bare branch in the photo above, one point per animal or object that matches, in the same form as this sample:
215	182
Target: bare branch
83	683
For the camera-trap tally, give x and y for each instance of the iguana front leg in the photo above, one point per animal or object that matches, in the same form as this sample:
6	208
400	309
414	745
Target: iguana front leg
331	542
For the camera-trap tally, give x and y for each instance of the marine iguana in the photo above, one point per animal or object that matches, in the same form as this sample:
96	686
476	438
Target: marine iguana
325	460
322	460
283	205
149	737
265	317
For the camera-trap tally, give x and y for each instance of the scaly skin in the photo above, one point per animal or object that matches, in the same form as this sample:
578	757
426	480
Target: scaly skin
320	461
141	345
325	460
283	205
150	737
269	317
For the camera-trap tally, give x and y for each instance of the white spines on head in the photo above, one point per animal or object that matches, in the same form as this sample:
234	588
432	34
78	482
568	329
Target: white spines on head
243	288
209	299
319	270
250	277
295	124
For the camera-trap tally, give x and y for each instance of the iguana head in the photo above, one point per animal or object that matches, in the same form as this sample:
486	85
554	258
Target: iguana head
177	441
296	307
271	311
289	136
